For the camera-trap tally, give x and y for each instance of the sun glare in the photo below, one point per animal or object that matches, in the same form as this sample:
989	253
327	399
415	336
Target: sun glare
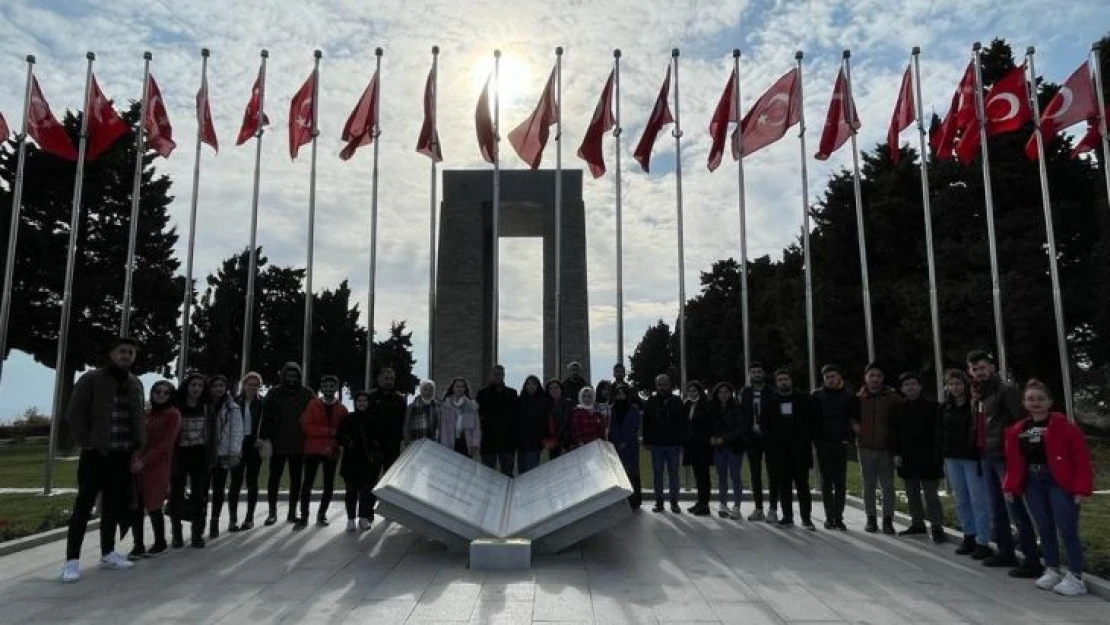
513	79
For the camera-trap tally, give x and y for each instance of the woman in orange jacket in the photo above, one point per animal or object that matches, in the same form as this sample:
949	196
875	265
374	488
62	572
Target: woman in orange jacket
320	422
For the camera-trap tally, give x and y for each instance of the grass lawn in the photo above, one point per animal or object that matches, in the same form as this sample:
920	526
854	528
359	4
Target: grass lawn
22	515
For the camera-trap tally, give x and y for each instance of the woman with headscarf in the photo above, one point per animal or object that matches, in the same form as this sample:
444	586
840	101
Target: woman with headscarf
698	450
587	424
225	446
423	414
624	433
459	427
533	406
361	440
153	465
558	440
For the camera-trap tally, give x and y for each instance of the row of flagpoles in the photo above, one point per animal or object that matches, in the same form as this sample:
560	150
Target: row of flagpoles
971	119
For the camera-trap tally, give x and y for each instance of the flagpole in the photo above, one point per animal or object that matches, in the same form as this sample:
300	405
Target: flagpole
306	340
864	278
677	132
187	305
1097	50
811	350
1053	269
495	315
620	233
996	286
252	254
376	132
67	290
559	211
934	307
432	222
13	229
132	239
746	322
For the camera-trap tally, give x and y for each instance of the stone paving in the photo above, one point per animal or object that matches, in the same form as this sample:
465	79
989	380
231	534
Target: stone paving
652	569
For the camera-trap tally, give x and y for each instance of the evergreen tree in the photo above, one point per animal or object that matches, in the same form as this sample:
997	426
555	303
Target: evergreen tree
652	357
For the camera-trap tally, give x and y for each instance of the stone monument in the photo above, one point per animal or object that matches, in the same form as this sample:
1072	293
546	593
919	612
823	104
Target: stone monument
464	307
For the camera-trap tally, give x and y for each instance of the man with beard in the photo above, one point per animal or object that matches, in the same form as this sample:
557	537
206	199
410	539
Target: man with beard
496	403
752	398
281	426
837	409
574	382
388	407
789	422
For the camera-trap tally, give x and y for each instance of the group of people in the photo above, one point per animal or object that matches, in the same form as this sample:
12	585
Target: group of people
1009	460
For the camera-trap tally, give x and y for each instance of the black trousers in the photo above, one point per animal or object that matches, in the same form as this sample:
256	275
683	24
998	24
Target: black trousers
277	467
311	466
190	466
110	477
249	468
219	491
157	523
700	464
832	458
791	472
358	497
756	451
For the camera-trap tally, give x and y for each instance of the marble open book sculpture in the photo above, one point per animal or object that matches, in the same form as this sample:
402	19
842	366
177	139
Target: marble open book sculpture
451	498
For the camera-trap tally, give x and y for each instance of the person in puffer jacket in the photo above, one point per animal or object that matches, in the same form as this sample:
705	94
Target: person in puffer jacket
225	447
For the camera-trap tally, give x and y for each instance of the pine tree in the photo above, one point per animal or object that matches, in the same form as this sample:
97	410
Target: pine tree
652	357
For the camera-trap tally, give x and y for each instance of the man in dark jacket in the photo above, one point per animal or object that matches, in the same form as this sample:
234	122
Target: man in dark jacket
914	432
107	418
664	433
574	383
281	426
837	409
620	376
998	405
496	404
788	428
387	406
752	398
876	465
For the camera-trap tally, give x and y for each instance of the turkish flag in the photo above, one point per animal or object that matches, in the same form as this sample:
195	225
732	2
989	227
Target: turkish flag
530	137
1006	108
428	142
483	124
727	112
902	117
602	122
105	125
250	115
1076	101
775	111
1092	138
4	132
302	116
359	129
841	120
206	128
44	128
156	123
660	116
960	112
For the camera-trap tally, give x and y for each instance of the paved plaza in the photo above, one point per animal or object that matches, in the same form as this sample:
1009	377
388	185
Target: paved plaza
652	569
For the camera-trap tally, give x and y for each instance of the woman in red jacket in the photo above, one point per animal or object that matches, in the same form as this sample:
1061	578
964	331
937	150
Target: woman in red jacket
1047	461
153	463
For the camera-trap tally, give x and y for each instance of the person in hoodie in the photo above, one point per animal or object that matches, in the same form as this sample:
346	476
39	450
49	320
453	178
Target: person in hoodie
283	407
459	426
790	421
154	460
225	445
250	405
533	406
624	433
320	421
961	453
587	423
423	415
557	439
361	440
998	405
495	409
876	463
664	434
190	462
836	409
729	432
914	442
1047	462
697	450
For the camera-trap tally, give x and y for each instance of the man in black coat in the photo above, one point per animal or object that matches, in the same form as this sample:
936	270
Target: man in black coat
789	423
914	431
281	426
387	406
837	408
574	383
664	434
752	398
496	403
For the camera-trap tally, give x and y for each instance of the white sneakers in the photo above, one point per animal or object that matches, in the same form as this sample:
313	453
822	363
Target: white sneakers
115	562
1050	579
351	527
364	524
735	513
71	571
1072	586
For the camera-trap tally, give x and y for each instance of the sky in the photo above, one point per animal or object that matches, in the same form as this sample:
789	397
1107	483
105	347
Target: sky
880	35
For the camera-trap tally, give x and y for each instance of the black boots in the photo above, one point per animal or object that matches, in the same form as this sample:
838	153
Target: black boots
178	537
916	529
872	525
939	535
888	525
198	535
967	547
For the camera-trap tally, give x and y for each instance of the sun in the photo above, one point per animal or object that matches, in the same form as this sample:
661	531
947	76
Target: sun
513	79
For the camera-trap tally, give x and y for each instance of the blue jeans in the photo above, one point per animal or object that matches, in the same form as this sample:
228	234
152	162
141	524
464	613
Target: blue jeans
1004	512
1054	511
973	506
526	461
505	460
665	456
728	466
